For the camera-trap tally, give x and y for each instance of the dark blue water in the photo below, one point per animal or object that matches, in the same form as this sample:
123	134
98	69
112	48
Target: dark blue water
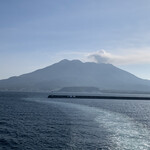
30	121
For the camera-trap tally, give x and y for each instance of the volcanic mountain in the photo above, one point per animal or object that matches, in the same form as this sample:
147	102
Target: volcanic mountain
76	74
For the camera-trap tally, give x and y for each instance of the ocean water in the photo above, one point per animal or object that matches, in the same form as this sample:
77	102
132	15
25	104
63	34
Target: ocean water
31	121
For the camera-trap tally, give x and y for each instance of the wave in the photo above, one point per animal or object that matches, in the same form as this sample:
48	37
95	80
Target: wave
125	132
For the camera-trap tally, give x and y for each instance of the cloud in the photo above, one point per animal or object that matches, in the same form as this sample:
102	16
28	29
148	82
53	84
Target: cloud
131	57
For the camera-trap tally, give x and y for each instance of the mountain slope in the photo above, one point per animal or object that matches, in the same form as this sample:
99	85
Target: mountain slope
75	73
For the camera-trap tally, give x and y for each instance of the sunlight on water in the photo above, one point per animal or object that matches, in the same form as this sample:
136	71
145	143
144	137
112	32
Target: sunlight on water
125	133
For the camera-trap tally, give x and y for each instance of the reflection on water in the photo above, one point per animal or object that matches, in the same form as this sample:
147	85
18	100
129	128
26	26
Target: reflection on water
30	121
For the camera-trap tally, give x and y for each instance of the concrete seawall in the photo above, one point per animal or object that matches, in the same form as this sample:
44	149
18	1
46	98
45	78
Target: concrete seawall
100	97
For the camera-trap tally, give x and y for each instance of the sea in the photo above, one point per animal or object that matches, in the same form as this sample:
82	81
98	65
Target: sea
31	121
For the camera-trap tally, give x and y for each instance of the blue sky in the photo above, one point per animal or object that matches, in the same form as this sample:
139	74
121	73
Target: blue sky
38	33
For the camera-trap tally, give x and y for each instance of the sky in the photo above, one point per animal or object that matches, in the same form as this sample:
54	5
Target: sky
37	33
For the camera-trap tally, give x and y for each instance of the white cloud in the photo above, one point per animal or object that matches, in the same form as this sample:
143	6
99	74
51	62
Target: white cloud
131	57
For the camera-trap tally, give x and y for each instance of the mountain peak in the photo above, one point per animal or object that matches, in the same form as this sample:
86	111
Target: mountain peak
76	61
70	61
63	61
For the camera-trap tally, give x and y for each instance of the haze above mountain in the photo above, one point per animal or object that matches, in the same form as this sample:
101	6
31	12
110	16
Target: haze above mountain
76	74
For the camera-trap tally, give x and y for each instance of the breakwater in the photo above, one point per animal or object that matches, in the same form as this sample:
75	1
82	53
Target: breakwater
100	97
